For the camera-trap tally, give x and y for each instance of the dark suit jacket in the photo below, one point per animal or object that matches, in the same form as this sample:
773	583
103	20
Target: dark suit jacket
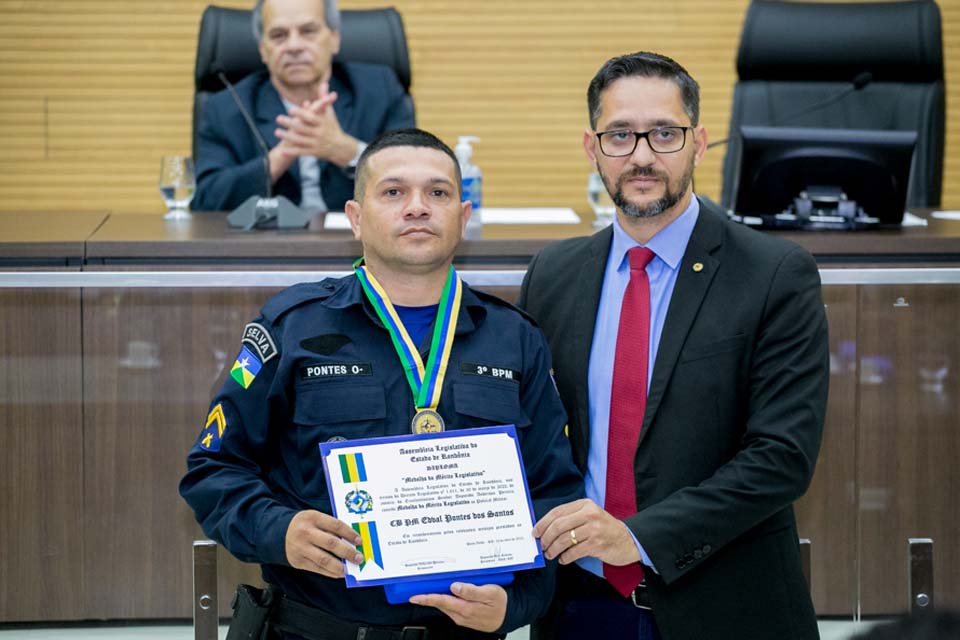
230	165
732	427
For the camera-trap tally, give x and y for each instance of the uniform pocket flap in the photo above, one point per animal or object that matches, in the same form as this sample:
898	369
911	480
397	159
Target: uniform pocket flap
491	403
329	403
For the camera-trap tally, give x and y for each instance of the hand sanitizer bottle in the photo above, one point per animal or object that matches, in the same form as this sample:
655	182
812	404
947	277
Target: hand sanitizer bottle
472	184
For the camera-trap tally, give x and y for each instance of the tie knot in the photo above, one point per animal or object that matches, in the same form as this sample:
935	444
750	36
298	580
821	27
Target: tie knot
639	258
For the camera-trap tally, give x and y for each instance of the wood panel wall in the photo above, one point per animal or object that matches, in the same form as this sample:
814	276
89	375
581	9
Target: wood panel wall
94	92
41	445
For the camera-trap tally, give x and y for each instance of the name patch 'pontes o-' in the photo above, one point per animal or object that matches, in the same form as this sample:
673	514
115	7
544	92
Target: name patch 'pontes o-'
335	370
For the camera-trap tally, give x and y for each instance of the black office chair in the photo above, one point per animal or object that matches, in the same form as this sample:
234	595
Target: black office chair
226	42
795	55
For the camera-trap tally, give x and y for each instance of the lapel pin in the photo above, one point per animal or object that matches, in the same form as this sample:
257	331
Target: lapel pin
697	267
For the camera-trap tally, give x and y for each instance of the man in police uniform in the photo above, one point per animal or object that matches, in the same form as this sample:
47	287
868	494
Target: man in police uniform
320	365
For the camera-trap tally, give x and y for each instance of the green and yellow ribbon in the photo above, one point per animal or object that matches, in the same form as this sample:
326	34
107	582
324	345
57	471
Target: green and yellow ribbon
426	381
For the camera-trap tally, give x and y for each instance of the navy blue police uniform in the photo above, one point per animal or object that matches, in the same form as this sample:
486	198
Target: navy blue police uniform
319	366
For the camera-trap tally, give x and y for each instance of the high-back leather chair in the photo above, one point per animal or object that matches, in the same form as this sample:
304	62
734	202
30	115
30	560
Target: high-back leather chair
226	43
795	55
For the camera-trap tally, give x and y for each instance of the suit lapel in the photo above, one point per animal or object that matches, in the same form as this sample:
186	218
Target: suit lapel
688	294
586	302
343	107
268	107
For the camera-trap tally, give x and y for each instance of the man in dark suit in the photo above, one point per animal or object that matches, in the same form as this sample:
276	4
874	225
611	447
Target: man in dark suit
315	114
691	356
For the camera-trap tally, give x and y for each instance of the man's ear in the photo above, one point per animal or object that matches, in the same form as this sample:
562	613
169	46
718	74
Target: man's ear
335	42
467	209
590	147
353	210
700	138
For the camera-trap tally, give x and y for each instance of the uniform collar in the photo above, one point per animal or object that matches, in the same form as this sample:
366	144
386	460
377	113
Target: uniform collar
348	292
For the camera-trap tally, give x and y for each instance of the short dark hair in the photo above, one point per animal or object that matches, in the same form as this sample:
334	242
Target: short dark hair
646	65
331	15
402	138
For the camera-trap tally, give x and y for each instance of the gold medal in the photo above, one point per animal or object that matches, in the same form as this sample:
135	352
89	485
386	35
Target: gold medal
426	421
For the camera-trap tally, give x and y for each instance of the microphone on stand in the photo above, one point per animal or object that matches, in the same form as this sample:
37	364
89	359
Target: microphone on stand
859	82
257	212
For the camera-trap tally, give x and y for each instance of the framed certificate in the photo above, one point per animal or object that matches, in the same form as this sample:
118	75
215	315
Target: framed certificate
434	508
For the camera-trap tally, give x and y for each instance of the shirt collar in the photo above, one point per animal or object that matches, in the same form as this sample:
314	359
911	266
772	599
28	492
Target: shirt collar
349	292
669	244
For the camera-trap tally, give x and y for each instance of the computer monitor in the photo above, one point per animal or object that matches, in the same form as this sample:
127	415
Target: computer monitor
778	164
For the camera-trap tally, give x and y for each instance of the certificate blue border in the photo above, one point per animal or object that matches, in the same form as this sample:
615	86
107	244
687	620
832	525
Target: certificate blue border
326	448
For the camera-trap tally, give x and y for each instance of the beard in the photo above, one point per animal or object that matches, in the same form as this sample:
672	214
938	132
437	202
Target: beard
671	196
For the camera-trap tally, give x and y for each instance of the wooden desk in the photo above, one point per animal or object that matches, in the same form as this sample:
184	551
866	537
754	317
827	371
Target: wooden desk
208	239
46	239
41	420
115	542
939	241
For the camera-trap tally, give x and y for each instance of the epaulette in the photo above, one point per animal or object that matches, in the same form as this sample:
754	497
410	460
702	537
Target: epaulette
297	295
489	297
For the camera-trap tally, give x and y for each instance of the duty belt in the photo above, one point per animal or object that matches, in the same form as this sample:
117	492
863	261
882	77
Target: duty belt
313	624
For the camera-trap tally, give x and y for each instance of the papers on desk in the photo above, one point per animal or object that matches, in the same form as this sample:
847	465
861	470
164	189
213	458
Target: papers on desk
337	221
910	220
946	215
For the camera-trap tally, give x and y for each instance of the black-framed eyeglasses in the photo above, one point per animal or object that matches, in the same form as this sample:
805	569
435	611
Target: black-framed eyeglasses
617	143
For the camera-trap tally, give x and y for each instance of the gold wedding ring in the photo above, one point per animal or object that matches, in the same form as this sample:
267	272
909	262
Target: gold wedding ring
573	536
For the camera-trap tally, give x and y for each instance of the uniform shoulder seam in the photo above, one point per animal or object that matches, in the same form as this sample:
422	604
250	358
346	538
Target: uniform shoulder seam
489	297
296	295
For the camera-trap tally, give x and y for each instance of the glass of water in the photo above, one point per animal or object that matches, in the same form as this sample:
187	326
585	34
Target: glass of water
600	202
177	183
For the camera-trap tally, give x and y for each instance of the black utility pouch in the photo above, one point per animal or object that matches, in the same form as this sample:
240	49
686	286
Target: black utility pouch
251	611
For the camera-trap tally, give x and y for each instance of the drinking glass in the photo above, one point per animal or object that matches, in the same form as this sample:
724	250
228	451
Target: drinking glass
177	183
600	201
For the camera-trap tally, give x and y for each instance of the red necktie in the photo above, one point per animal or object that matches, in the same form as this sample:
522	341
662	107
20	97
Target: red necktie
628	402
